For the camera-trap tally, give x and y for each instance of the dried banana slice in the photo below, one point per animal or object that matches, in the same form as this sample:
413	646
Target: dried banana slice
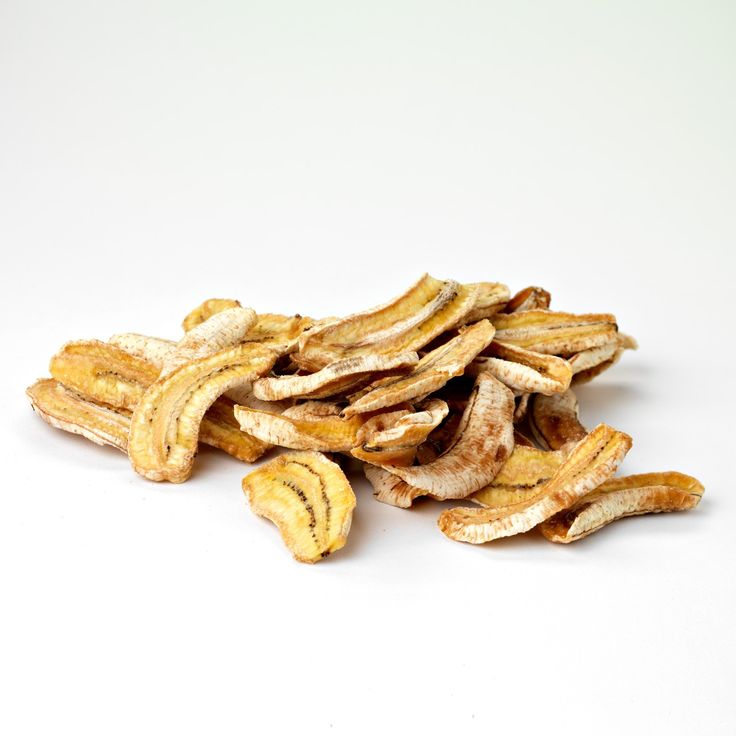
592	461
533	297
407	323
333	379
64	409
555	333
433	371
389	488
492	298
554	420
279	332
220	429
155	350
524	370
520	477
481	445
588	364
208	308
301	429
166	423
649	493
393	438
309	499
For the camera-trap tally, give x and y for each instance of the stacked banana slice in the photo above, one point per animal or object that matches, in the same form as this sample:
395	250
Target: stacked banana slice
452	391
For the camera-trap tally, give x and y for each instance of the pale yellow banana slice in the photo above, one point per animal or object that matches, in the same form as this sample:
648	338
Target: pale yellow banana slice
155	350
554	420
649	493
309	499
588	364
279	332
592	461
205	310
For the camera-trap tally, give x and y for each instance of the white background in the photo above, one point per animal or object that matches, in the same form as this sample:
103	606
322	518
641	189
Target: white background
318	157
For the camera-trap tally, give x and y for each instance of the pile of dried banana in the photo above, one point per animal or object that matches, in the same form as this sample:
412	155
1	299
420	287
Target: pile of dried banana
453	391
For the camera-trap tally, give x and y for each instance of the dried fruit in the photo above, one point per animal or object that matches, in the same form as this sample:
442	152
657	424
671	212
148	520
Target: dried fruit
279	332
649	493
491	299
309	499
205	310
533	297
593	460
554	420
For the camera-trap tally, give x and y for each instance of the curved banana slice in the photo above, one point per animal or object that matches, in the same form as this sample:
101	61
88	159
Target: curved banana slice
649	493
279	332
68	411
309	499
520	477
208	308
554	420
333	379
533	297
524	370
555	333
492	298
407	323
393	438
166	422
155	350
301	429
482	443
433	371
588	364
593	460
389	488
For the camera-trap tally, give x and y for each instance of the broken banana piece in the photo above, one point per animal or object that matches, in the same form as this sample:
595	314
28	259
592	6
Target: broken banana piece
533	297
554	420
592	461
631	495
309	499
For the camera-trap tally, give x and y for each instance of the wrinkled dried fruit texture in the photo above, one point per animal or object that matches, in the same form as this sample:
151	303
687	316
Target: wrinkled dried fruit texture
309	499
66	410
620	497
481	445
407	323
432	372
588	364
166	423
208	308
389	488
520	477
302	427
333	379
491	299
533	297
223	330
279	332
554	420
592	461
392	438
524	371
103	372
555	333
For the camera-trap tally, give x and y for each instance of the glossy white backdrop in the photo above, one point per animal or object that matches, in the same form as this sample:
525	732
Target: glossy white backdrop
318	157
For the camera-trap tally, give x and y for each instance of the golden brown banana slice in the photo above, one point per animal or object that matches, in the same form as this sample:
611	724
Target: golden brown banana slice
166	423
302	427
649	493
66	410
407	323
533	297
520	477
555	333
393	438
433	371
208	308
481	445
333	379
524	370
592	461
492	298
554	420
309	499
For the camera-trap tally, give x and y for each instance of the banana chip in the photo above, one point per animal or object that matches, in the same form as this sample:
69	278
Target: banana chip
432	372
533	297
279	332
208	308
592	461
155	350
309	499
554	420
166	423
492	298
632	495
407	323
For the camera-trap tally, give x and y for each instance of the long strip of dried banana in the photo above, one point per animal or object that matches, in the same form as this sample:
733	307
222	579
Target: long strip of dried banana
208	308
66	410
166	423
649	493
554	420
433	371
481	445
309	499
524	370
533	297
592	461
407	323
334	378
555	333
